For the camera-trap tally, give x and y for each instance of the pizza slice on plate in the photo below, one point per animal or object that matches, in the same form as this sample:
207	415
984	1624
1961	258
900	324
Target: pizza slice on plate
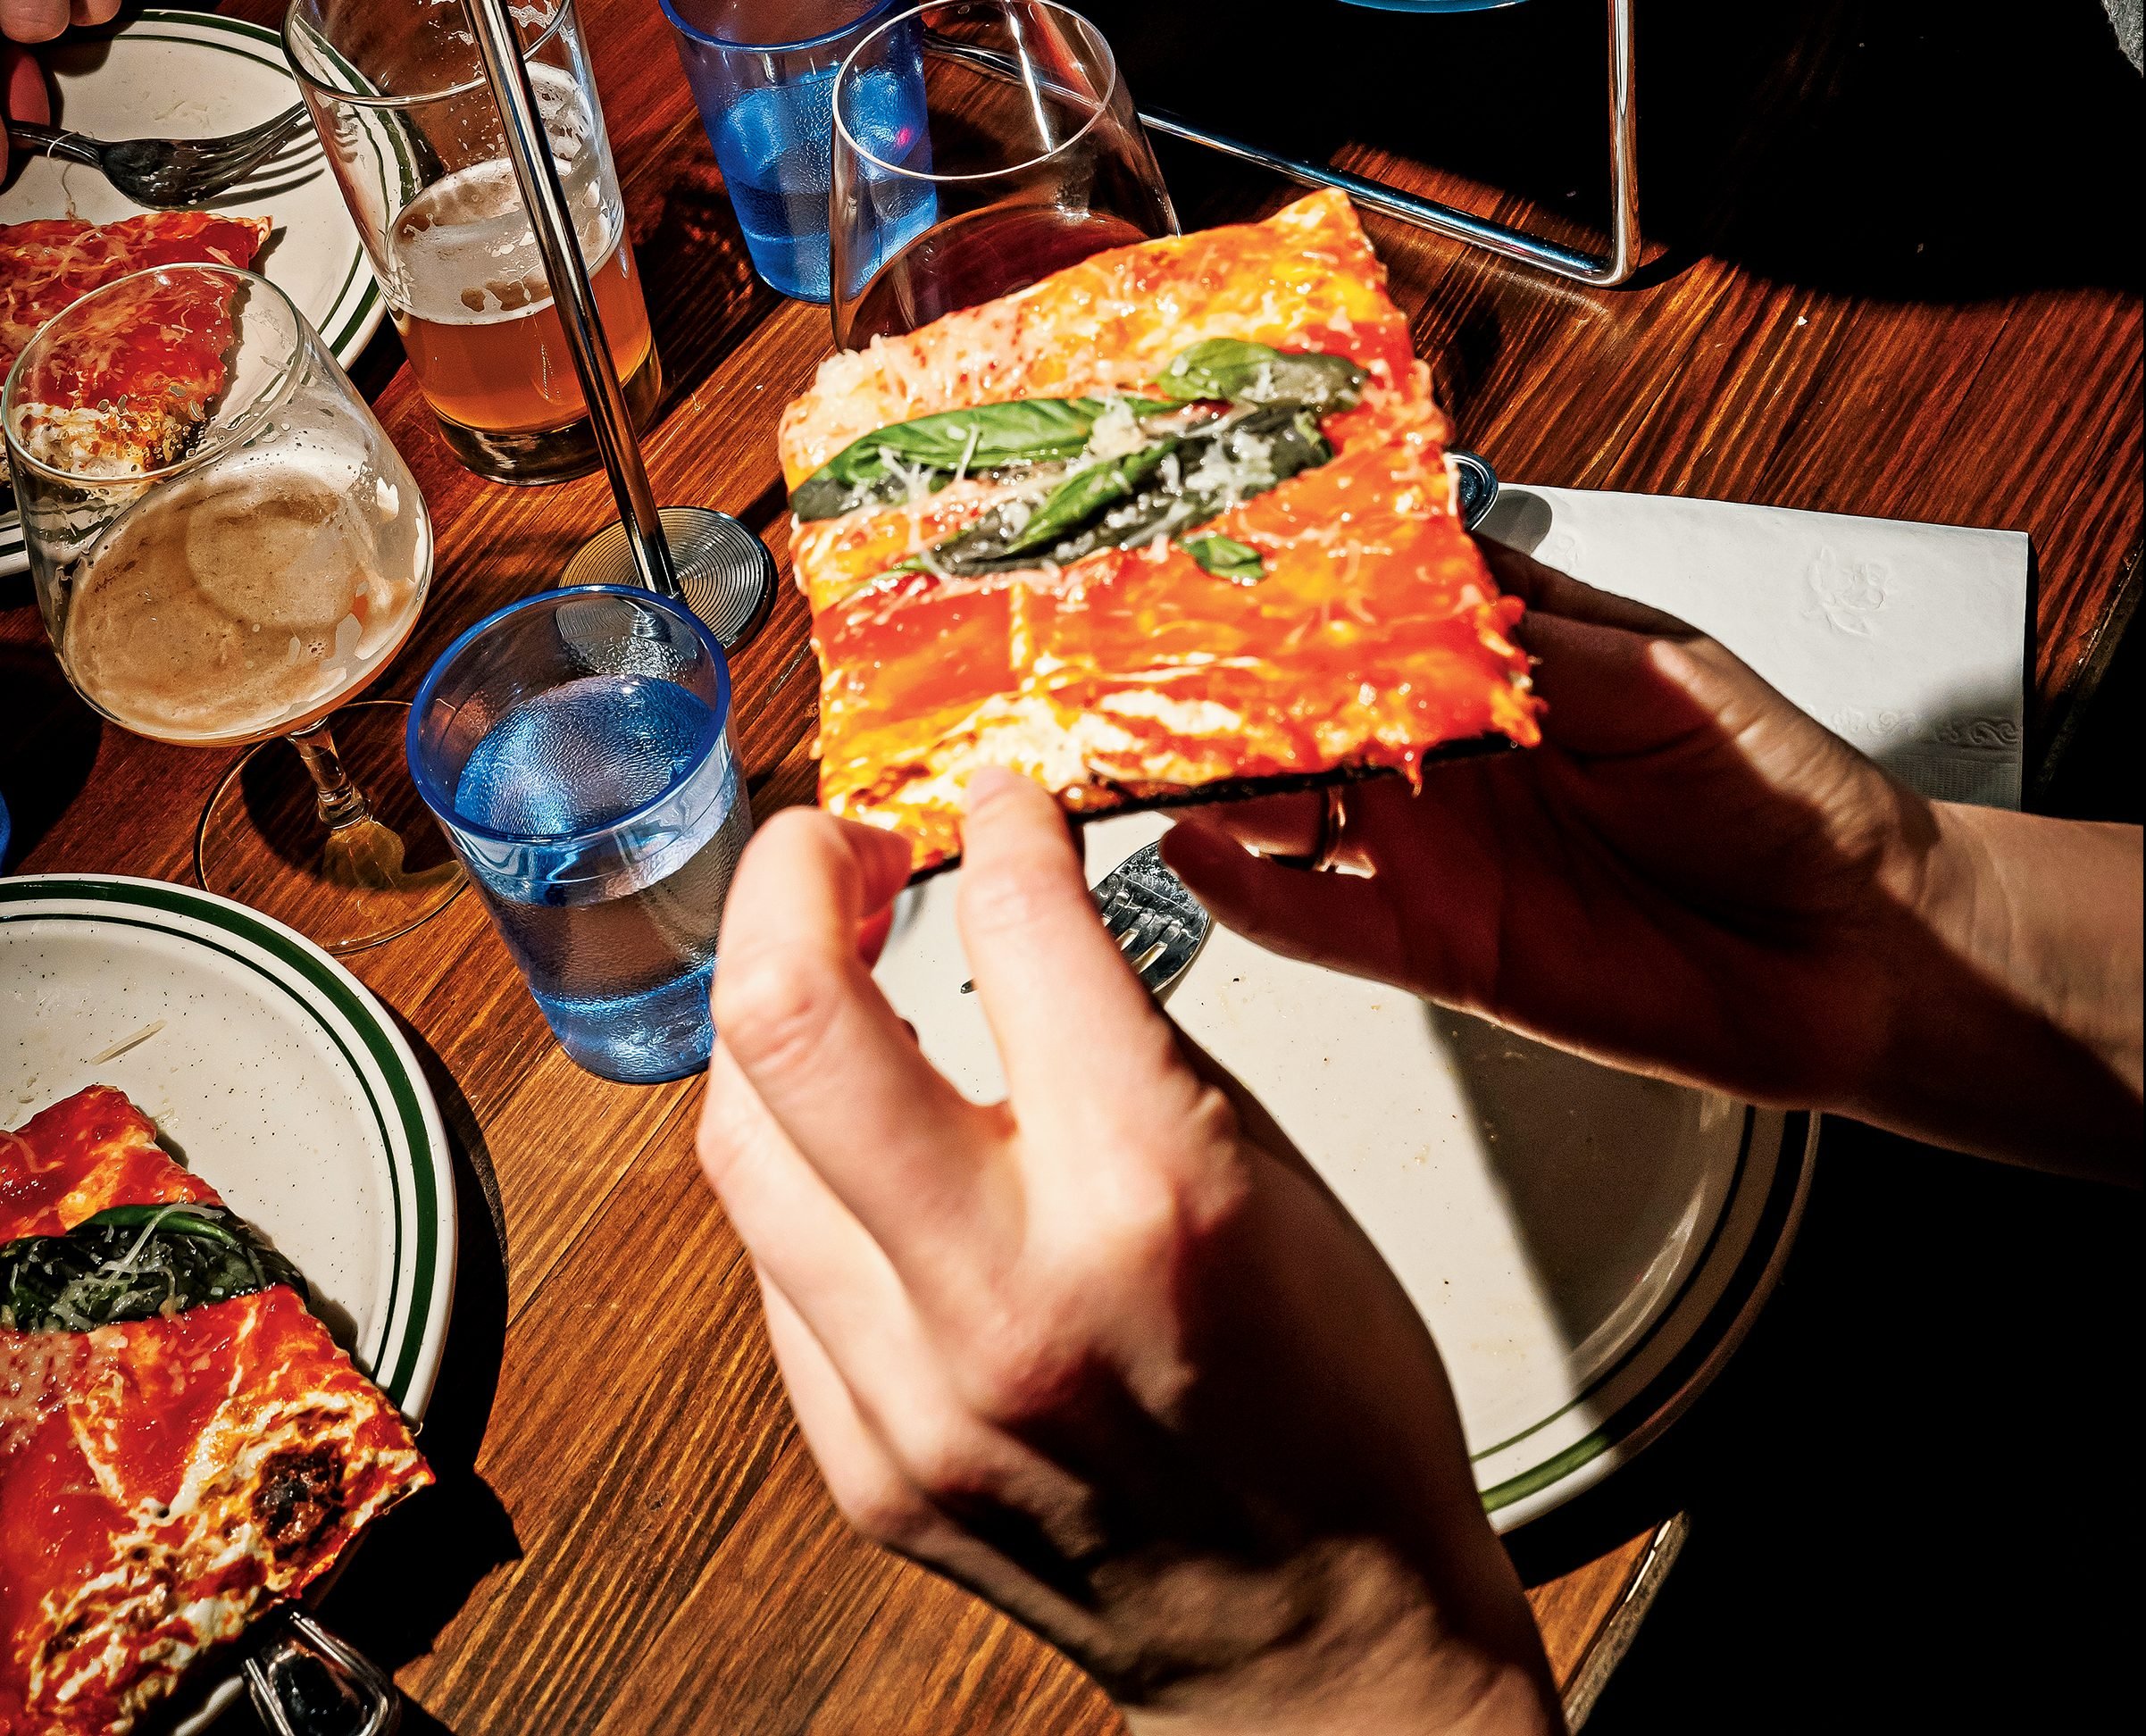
1173	523
129	396
181	1443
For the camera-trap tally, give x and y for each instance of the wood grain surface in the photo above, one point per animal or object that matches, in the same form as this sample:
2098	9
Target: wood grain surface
629	1536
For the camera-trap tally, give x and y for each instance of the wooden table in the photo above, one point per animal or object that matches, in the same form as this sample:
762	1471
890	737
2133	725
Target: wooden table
628	1535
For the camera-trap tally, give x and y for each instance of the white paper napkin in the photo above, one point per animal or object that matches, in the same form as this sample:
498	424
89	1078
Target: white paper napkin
1908	640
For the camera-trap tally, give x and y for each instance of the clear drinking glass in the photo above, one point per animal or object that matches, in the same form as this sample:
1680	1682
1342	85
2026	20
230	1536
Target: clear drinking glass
763	73
577	748
240	592
397	92
1030	157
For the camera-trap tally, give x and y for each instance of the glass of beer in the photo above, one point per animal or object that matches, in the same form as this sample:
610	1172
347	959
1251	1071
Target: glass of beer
261	571
397	92
1027	157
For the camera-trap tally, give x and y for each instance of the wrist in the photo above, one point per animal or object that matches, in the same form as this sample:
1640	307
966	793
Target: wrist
1383	1655
2012	986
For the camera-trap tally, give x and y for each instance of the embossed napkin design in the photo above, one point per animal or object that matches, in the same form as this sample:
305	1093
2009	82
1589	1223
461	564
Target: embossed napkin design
1908	640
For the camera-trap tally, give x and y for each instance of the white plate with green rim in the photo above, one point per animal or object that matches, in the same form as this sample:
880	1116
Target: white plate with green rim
272	1073
1587	1246
195	75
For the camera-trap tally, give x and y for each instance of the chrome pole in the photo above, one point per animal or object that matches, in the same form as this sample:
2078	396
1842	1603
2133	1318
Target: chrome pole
567	273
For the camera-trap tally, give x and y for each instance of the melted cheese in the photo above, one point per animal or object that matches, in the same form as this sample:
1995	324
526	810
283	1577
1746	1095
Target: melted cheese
1305	279
1373	635
160	1481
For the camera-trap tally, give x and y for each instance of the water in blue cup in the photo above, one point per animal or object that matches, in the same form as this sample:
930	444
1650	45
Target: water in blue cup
763	73
576	747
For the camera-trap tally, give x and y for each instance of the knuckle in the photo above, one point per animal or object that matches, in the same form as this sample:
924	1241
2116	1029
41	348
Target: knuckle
1010	897
718	1140
772	1010
881	1507
1022	1364
941	1456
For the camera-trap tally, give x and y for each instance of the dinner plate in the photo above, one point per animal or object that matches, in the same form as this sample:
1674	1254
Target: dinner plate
268	1068
195	75
1588	1247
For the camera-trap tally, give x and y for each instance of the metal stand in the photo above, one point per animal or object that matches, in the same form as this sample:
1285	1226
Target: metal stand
719	579
1603	271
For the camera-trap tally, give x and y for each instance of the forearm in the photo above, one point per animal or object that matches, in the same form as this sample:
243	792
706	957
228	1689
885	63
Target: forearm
2016	981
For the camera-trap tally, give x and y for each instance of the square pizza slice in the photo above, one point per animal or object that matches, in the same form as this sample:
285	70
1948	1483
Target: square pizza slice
1175	519
181	1443
128	393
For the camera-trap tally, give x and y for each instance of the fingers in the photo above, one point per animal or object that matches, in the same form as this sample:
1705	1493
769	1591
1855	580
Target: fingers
1337	919
797	1011
801	1236
93	11
33	20
1274	825
1080	1039
875	1496
22	91
1606	690
1546	590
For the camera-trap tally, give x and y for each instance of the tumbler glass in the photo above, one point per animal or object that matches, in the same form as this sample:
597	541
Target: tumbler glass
576	746
1029	157
398	96
767	102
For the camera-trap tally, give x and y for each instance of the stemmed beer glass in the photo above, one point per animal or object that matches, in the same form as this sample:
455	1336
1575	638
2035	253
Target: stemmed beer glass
241	592
1027	156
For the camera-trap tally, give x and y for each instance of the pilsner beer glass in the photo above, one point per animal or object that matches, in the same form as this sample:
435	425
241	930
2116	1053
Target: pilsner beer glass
240	591
399	95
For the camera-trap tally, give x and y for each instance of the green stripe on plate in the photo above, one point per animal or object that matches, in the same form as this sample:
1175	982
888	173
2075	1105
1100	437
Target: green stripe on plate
1662	1317
1732	1313
322	976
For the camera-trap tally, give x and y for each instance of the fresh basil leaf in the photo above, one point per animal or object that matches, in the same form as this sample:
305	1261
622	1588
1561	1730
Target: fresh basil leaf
987	437
1226	558
132	1262
1243	372
1127	501
1085	494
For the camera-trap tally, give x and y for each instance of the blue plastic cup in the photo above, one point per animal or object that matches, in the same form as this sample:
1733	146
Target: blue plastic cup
769	109
576	747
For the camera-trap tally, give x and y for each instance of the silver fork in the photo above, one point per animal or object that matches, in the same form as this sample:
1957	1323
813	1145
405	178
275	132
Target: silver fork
167	174
1158	924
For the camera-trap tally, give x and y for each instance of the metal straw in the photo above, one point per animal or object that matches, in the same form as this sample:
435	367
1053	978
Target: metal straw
568	274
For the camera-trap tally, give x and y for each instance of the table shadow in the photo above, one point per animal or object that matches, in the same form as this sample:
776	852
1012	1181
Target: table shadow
418	1565
48	737
1907	148
1903	1510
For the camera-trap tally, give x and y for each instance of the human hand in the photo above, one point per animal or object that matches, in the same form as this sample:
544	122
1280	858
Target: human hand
1106	1353
1690	877
21	79
40	20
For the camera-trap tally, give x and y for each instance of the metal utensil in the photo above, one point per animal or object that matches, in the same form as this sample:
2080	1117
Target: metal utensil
1158	925
305	1681
1478	487
167	174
